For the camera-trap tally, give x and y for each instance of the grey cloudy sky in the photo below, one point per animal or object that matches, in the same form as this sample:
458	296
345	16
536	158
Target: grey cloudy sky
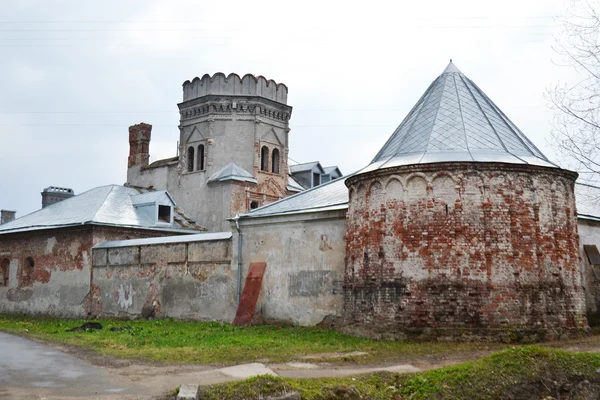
75	74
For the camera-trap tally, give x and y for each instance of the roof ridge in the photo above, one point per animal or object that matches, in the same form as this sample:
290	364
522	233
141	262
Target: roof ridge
103	201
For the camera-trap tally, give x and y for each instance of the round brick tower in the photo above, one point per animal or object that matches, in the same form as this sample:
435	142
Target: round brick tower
461	227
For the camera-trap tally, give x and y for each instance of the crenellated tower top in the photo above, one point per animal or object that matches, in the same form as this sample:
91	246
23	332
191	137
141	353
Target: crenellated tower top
248	85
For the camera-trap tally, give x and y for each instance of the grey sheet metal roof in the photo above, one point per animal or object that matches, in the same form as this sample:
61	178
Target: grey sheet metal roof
104	205
327	196
232	172
304	167
588	201
199	237
293	186
151	197
454	120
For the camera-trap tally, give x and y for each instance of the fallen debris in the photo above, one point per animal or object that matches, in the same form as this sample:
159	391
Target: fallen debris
87	326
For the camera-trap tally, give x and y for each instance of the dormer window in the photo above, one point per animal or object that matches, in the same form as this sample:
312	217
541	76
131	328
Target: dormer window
154	208
164	213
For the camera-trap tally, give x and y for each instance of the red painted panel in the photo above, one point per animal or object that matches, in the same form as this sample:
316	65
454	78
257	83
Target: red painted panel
245	310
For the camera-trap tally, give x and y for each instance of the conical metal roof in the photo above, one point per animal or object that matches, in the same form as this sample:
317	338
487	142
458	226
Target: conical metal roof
455	121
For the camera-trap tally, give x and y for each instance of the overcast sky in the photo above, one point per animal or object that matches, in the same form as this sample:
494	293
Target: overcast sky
75	74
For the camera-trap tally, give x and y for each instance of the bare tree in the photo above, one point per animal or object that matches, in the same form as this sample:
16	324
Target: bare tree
576	124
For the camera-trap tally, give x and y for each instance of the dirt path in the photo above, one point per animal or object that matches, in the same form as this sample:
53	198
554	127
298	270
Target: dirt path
155	381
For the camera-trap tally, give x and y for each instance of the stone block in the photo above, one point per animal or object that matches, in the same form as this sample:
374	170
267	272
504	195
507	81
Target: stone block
209	251
99	257
188	392
124	256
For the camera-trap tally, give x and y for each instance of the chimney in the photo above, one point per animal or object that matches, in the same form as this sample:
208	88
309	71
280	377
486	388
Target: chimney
7	216
139	145
54	194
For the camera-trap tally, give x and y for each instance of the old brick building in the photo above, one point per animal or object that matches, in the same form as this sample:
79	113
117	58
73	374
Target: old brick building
46	256
459	227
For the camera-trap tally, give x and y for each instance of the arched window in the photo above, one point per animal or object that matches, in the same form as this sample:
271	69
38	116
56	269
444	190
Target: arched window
28	271
253	204
275	161
201	157
190	159
264	159
4	272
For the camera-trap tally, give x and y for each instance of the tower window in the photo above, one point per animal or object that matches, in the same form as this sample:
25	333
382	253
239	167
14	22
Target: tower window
264	158
275	161
4	272
164	214
190	159
201	157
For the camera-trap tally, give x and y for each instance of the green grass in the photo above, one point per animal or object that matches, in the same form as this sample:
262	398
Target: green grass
217	343
520	372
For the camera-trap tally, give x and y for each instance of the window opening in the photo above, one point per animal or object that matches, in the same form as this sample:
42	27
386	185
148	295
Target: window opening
28	271
591	251
264	159
164	213
253	204
275	161
316	179
4	272
201	157
190	159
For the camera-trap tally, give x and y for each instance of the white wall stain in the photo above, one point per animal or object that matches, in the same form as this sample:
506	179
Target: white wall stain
125	296
50	245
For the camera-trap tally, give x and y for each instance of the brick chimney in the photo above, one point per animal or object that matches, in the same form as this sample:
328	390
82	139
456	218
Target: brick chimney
139	145
7	216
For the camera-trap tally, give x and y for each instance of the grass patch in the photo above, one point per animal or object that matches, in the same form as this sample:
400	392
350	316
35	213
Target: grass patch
521	372
173	341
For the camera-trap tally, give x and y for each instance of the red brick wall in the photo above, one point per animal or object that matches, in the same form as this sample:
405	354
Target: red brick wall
474	246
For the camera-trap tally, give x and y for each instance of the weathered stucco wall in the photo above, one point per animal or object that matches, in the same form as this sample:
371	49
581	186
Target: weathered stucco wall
457	246
305	264
589	233
187	280
49	272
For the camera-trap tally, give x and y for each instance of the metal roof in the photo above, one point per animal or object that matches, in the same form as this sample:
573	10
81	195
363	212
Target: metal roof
330	195
454	120
105	205
199	237
588	201
232	172
152	197
293	186
305	167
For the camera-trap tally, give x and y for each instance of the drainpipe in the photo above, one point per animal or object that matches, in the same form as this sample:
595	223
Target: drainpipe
239	283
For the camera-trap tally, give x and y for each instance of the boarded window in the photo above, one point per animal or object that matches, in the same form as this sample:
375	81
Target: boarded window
4	272
201	157
27	272
164	213
264	159
190	159
275	162
316	179
592	253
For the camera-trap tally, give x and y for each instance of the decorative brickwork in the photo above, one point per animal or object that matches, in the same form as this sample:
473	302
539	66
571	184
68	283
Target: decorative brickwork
462	246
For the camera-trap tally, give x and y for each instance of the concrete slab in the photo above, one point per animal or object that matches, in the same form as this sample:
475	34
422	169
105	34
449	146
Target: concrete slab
246	371
301	365
188	392
339	372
